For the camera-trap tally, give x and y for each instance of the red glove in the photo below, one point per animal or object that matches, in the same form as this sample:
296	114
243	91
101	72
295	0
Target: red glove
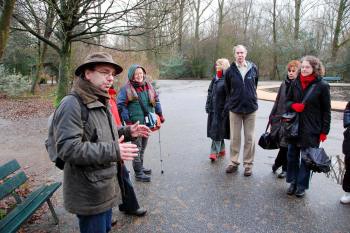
161	118
323	137
128	123
298	107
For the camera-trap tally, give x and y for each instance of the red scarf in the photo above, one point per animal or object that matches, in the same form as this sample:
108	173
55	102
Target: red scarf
219	73
114	109
306	80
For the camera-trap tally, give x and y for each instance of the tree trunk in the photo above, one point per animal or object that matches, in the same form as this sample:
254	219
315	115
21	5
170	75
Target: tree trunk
274	37
5	21
64	71
337	30
181	16
220	26
297	19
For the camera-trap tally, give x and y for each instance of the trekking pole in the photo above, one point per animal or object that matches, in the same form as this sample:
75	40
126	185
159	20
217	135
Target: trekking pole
160	153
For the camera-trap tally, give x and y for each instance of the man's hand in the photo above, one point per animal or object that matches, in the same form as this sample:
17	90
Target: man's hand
127	151
138	130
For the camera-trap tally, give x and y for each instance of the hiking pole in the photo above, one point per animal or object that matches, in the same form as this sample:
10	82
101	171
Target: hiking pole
160	153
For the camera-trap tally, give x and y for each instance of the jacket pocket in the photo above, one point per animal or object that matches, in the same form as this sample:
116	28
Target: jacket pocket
100	174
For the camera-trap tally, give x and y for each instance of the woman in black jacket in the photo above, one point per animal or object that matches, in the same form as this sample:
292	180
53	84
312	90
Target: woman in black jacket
314	120
345	199
279	108
217	130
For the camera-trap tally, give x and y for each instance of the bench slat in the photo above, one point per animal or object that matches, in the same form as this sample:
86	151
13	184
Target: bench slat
13	221
11	184
8	168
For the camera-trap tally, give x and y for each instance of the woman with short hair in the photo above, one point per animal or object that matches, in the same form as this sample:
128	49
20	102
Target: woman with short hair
217	130
279	108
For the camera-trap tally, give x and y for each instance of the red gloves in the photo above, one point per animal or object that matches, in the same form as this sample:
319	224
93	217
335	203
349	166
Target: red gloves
161	118
323	137
298	107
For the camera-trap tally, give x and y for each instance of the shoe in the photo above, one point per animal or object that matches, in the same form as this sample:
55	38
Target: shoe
147	171
274	168
300	192
291	189
213	157
282	175
222	153
231	168
140	176
248	171
139	212
345	199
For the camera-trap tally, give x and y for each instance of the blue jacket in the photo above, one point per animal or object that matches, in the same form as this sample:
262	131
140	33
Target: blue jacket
241	92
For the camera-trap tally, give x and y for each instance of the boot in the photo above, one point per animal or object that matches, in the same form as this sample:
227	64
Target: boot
147	171
213	157
141	176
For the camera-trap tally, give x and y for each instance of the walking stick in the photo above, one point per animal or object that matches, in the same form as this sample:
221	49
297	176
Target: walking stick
160	153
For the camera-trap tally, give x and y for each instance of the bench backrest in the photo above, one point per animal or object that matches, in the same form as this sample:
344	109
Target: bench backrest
335	78
10	182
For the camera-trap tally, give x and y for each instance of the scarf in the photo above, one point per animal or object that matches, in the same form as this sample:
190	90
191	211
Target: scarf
132	88
219	73
90	93
306	80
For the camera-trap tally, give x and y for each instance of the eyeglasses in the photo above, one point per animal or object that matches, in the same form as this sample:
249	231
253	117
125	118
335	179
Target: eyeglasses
106	74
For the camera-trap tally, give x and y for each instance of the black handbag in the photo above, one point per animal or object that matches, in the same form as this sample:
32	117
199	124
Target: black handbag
316	159
267	141
290	120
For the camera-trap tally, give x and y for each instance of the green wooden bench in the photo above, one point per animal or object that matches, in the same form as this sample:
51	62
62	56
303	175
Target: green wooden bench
10	179
332	79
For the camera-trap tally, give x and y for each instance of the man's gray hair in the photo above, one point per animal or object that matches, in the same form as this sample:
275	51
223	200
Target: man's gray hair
239	46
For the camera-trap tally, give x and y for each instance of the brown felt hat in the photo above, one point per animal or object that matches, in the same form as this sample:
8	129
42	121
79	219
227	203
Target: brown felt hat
98	58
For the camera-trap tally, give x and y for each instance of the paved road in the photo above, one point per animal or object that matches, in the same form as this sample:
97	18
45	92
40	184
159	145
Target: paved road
195	195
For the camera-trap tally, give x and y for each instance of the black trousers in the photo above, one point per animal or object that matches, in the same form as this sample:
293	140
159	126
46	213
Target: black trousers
346	180
281	159
129	199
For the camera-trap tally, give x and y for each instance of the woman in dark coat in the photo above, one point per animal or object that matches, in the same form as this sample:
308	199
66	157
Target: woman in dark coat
314	120
217	130
345	199
279	108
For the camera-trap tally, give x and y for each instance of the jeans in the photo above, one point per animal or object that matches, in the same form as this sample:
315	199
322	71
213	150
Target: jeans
217	146
297	173
98	223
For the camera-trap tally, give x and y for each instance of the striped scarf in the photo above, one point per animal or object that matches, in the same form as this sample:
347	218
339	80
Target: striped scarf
133	88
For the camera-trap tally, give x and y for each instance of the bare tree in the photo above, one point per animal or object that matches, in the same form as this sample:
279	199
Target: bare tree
80	20
297	7
7	7
343	9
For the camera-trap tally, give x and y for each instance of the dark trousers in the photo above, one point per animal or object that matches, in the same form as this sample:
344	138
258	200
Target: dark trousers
281	159
141	144
297	173
98	223
129	198
346	180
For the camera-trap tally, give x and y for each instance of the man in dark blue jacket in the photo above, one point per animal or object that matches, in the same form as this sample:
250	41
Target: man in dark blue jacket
241	80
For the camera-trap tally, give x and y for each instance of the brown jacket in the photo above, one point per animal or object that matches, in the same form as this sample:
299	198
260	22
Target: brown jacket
89	185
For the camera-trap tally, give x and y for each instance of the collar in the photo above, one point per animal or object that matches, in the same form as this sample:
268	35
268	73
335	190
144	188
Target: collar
245	64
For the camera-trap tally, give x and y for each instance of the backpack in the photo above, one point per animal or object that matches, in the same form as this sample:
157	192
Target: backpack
50	142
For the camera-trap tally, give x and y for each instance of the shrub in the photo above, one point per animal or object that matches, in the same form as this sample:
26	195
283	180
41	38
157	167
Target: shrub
175	67
13	84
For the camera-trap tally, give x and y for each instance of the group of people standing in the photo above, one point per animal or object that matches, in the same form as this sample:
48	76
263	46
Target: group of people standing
232	102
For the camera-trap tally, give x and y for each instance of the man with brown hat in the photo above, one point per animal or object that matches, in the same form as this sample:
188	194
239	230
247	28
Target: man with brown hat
91	149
